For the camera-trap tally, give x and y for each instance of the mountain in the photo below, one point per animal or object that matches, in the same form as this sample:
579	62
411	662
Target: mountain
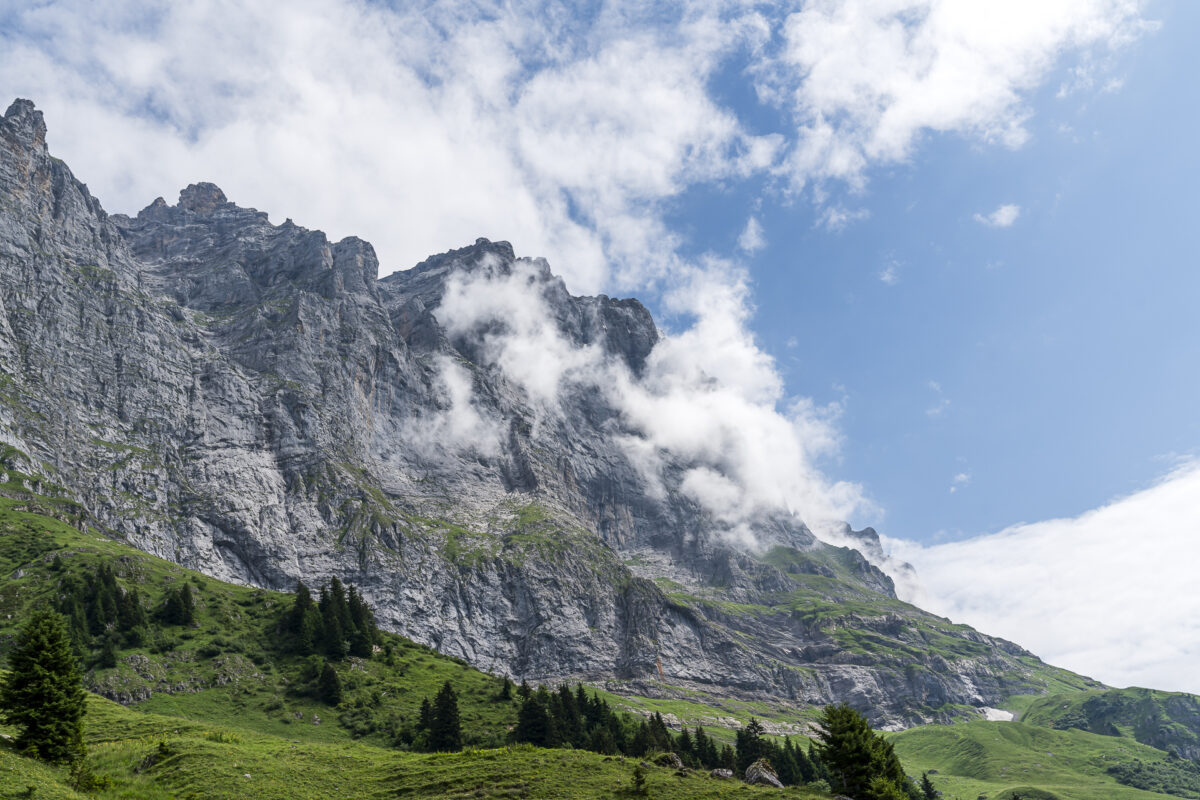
462	440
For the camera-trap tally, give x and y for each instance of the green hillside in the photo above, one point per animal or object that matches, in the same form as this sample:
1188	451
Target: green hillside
225	697
1165	720
1002	760
154	757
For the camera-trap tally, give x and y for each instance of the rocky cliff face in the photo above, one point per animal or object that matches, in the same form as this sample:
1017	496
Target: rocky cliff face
250	400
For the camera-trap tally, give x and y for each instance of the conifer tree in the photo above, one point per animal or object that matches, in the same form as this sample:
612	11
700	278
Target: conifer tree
294	623
333	634
860	763
533	722
445	730
927	790
425	717
108	654
187	605
330	687
42	694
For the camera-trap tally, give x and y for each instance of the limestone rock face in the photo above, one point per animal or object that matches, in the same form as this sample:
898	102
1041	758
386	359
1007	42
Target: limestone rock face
252	401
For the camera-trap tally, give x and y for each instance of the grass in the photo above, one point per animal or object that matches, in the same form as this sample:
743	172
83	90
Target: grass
152	756
975	759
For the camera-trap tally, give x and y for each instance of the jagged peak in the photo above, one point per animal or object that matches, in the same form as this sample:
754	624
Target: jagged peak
202	198
23	114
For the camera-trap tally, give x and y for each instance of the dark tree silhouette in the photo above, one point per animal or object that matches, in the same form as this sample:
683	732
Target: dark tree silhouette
42	693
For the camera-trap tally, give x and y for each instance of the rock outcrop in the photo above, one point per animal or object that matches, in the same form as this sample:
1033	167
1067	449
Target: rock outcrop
251	400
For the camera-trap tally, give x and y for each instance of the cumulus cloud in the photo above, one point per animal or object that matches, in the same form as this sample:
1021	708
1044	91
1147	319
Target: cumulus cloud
1002	217
866	79
752	239
959	481
1110	593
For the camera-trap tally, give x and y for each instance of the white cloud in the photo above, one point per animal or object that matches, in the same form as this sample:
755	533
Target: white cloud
960	480
566	133
458	427
941	401
709	399
835	218
752	239
1002	217
866	79
1111	593
890	274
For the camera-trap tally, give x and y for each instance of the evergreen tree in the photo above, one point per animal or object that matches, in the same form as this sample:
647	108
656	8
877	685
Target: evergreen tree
700	746
425	716
333	634
42	693
187	606
749	744
524	691
330	687
533	723
860	763
927	790
108	654
445	731
179	608
728	759
506	690
294	622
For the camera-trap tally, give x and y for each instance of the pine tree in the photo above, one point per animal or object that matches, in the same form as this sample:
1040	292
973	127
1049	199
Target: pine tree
294	622
860	763
334	636
108	654
927	790
749	743
187	606
330	688
445	730
533	722
506	690
42	694
425	717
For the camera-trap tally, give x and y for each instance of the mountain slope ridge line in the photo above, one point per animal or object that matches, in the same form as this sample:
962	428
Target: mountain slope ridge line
251	401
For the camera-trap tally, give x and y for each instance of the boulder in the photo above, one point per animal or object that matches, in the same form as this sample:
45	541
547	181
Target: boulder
760	773
669	760
721	773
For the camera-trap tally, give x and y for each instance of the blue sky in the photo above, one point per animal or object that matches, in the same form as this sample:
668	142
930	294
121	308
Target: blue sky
1045	365
939	256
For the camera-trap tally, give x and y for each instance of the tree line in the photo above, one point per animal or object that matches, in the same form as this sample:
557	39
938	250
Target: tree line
42	694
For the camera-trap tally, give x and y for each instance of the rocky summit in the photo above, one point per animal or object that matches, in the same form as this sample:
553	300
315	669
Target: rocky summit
253	401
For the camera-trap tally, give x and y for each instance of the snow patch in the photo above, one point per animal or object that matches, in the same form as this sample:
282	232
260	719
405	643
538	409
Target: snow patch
996	714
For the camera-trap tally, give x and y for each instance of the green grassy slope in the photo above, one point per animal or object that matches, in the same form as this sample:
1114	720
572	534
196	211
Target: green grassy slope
1164	720
226	667
991	758
155	757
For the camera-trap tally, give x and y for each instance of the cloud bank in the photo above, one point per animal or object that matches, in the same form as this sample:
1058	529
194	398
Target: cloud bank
1111	593
566	130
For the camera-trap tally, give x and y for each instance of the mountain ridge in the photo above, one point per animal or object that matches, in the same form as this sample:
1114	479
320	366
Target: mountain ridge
252	401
